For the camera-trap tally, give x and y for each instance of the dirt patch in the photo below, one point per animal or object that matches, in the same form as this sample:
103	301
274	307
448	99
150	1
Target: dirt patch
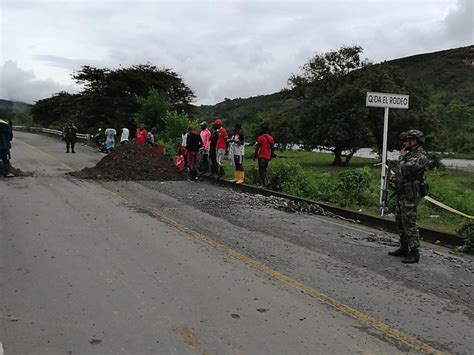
14	172
19	172
132	162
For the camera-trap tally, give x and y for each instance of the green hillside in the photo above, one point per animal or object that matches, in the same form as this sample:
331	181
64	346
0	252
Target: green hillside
13	106
449	74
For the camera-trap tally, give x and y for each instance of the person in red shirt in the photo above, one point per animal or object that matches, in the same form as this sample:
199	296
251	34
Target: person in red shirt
221	146
264	153
141	134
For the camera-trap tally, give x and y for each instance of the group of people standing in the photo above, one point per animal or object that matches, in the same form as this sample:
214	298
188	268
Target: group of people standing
106	140
205	151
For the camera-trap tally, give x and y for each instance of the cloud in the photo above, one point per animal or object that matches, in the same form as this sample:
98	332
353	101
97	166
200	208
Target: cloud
234	48
17	84
459	23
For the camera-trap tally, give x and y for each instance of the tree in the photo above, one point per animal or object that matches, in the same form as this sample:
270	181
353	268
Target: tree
323	74
338	123
152	109
109	97
334	86
175	124
56	110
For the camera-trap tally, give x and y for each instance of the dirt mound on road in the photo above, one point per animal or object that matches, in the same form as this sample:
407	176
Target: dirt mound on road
132	162
15	172
19	172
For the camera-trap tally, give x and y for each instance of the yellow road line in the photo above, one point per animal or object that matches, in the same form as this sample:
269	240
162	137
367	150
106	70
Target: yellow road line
366	319
369	321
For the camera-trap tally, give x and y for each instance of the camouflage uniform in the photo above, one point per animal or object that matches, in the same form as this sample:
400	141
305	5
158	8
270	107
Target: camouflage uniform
409	180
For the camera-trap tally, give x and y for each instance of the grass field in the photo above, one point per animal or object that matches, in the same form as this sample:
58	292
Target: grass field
311	175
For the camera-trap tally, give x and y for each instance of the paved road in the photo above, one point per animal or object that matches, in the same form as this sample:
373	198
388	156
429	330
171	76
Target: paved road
92	267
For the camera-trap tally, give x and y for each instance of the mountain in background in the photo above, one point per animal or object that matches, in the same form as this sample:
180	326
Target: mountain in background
8	109
448	74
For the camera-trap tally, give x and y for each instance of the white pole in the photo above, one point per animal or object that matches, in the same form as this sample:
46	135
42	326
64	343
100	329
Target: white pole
384	156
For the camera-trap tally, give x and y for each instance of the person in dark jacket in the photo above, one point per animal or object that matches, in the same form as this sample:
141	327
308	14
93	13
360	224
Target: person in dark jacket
6	136
193	144
70	136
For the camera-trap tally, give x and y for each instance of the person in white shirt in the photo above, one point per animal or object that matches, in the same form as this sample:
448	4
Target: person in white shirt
124	136
237	152
110	133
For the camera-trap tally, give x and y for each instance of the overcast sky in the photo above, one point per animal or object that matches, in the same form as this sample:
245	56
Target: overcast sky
221	48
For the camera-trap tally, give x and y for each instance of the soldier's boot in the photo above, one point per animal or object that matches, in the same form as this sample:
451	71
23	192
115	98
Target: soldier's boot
402	251
412	257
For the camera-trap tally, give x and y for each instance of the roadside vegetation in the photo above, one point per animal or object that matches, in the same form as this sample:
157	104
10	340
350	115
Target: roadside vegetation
312	175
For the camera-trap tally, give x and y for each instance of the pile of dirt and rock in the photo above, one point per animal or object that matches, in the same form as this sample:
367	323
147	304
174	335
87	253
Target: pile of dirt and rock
132	162
14	172
19	172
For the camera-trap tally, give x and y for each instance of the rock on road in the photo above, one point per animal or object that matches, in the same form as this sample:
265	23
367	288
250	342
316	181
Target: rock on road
94	267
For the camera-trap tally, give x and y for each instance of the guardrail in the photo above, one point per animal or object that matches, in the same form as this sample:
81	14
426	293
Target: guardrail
54	131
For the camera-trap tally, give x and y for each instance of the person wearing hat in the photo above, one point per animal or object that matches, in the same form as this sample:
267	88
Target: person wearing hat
206	144
410	187
221	147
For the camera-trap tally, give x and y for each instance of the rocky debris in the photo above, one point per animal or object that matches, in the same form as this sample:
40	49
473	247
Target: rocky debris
132	162
385	240
310	208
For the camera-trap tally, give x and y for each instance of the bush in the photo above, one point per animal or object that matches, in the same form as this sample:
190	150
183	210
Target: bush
354	187
467	232
280	172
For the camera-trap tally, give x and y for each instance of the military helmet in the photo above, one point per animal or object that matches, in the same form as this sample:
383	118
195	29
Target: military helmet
415	134
403	136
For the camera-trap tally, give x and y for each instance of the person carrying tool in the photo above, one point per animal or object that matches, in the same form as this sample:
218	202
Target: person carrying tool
6	136
70	136
410	187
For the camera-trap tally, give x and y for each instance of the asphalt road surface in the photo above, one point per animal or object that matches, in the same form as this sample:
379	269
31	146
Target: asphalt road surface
94	267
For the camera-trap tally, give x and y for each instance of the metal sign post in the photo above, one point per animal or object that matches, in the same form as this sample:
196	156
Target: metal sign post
378	99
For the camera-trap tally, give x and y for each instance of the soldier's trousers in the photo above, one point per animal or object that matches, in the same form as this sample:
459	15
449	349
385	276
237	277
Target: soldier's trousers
406	220
70	143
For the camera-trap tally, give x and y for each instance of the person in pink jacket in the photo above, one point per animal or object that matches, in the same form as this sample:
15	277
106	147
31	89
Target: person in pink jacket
206	143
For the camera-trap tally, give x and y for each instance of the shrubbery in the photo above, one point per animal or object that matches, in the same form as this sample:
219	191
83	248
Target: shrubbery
350	187
467	232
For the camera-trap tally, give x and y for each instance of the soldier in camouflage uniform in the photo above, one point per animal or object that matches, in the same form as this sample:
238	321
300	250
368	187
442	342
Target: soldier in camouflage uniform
410	188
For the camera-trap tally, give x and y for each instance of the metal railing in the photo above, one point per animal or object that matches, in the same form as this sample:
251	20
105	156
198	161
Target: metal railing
54	131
